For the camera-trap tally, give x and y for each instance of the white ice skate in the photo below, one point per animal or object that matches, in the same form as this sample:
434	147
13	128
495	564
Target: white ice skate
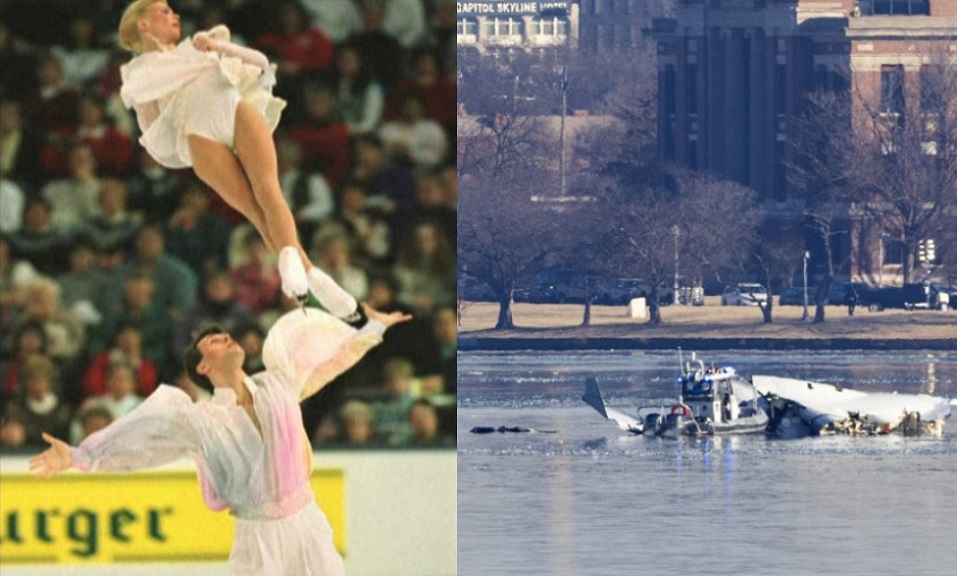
295	283
333	298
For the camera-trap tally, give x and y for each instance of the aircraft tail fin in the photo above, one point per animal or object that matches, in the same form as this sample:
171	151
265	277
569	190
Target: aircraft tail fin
593	397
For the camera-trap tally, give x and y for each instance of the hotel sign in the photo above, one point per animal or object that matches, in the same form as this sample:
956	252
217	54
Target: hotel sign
504	7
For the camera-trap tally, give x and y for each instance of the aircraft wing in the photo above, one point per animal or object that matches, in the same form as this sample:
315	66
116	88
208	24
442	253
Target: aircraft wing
822	404
625	422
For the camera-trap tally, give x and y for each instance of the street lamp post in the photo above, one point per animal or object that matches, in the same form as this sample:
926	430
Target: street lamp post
561	133
880	258
676	232
807	255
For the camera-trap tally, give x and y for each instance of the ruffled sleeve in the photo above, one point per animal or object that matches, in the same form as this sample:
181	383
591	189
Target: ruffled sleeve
164	428
153	75
312	347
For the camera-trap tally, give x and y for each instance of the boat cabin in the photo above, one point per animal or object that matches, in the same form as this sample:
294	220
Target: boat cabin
710	396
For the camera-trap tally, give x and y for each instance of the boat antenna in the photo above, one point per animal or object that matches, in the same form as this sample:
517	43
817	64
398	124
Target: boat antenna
681	361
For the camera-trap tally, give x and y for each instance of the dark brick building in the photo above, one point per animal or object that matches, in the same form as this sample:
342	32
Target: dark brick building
732	73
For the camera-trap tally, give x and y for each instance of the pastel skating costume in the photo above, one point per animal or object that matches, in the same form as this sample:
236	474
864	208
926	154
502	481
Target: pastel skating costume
262	479
185	91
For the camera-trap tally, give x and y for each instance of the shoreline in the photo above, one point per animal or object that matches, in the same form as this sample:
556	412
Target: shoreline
494	344
709	327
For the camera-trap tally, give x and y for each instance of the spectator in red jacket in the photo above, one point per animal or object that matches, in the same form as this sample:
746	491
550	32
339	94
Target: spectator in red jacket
113	149
322	136
433	85
299	47
127	349
53	105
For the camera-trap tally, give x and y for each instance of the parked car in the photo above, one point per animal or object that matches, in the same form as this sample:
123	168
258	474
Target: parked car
908	296
472	289
795	296
551	286
744	294
620	291
535	293
837	294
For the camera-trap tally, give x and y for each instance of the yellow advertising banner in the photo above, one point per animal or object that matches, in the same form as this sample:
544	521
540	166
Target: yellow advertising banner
140	517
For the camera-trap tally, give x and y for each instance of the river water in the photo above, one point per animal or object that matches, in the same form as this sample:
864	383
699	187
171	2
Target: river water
590	500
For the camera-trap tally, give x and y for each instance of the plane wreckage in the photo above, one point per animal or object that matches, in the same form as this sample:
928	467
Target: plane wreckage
828	409
720	401
709	402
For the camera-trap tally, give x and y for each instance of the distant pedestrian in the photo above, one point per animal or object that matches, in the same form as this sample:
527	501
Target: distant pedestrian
852	298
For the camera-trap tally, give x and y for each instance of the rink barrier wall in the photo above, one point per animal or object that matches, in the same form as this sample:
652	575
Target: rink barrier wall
138	517
396	516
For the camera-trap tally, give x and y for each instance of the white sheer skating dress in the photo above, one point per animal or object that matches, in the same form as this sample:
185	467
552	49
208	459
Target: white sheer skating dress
185	91
262	479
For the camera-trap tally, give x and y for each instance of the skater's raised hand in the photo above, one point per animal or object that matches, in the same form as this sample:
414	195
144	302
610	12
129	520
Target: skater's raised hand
203	42
53	460
388	320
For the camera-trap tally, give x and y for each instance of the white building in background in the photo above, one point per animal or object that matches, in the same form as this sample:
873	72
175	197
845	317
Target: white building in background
495	24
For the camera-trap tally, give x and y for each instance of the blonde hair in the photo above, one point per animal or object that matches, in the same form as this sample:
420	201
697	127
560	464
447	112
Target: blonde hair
129	33
39	366
356	410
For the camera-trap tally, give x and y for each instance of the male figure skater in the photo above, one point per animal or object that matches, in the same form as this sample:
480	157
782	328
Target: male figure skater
248	442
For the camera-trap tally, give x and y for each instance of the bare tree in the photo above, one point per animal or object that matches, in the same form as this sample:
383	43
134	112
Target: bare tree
777	258
906	171
688	218
505	160
824	148
502	236
889	152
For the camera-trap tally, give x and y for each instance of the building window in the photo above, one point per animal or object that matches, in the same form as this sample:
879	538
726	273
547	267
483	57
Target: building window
894	251
933	85
780	88
666	89
691	88
779	192
691	153
503	27
466	27
549	27
894	7
892	88
605	36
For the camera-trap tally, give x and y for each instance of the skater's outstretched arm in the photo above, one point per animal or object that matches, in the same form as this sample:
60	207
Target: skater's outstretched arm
351	351
157	432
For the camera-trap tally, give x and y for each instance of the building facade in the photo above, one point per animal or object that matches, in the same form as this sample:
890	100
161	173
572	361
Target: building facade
587	25
502	24
732	74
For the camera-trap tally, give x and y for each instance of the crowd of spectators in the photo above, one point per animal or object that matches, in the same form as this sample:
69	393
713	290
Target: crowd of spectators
109	262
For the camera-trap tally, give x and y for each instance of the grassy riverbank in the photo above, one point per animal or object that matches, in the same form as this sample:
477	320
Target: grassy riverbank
536	323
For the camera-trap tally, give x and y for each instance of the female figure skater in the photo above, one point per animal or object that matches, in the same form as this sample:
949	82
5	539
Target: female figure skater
208	103
248	442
